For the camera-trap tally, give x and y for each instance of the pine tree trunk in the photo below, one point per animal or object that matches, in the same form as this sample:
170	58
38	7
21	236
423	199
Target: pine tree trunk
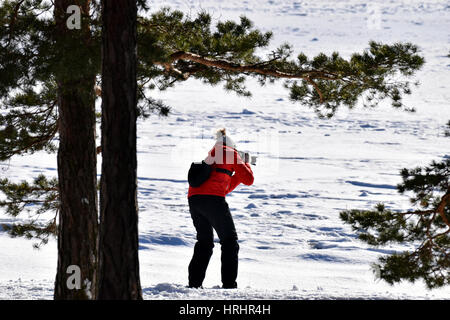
78	215
118	241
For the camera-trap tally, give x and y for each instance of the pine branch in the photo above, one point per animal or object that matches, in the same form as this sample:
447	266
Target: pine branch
428	227
35	143
257	68
43	193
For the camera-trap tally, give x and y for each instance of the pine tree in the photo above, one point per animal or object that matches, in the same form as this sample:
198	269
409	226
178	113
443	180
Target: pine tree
45	74
43	96
77	160
426	228
118	244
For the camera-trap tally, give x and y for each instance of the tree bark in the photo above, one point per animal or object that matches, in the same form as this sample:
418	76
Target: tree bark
118	241
78	214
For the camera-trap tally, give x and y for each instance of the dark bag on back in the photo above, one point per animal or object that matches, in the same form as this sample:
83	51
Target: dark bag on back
198	173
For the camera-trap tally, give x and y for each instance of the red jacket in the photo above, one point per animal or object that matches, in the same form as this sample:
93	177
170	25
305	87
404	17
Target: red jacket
219	183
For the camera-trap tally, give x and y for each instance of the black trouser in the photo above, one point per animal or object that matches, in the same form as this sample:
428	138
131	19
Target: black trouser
210	212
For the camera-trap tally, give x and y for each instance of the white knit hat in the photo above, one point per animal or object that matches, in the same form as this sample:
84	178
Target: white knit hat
221	137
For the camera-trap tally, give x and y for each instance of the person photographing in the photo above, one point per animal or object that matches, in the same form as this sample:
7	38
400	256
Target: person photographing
209	211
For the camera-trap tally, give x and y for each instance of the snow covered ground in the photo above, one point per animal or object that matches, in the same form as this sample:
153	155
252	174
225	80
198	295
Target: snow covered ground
293	244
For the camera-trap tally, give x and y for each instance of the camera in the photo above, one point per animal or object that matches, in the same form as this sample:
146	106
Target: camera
247	158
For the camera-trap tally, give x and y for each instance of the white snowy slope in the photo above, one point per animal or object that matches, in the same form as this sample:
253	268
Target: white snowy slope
293	244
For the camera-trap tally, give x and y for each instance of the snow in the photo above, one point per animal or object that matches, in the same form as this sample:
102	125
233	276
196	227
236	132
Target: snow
293	244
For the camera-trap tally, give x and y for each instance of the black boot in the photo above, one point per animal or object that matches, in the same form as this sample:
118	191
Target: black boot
199	263
229	259
230	286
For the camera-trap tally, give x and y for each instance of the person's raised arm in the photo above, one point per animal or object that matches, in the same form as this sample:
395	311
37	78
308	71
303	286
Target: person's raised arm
242	173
